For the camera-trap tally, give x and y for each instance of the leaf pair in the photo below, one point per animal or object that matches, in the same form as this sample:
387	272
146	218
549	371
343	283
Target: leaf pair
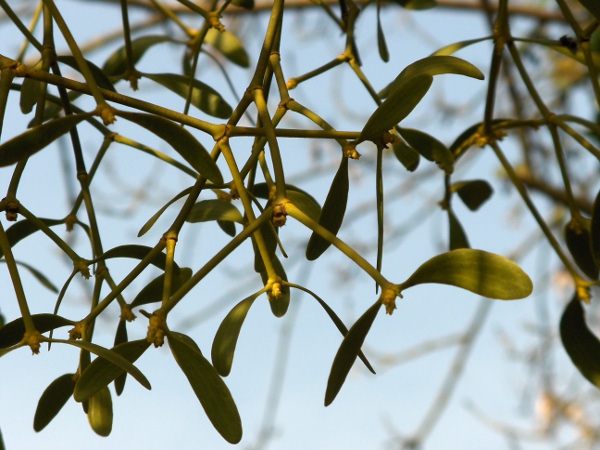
483	273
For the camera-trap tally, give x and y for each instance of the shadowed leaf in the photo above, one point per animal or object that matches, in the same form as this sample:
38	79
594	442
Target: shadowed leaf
12	333
473	193
136	252
52	400
580	343
208	386
483	273
578	239
116	64
407	156
384	54
215	209
37	138
430	148
159	213
594	231
182	141
153	291
101	372
24	228
348	351
100	412
416	4
302	199
458	238
332	214
120	338
227	335
101	79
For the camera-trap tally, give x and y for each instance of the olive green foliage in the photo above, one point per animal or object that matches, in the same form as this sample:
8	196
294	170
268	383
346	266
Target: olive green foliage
247	191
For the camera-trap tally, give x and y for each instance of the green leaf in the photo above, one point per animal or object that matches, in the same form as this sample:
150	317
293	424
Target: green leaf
182	141
227	335
483	273
153	291
433	65
407	156
101	79
578	239
458	238
116	64
101	372
30	93
430	148
399	104
595	231
416	4
39	276
332	214
120	338
203	97
593	6
384	54
473	193
136	252
229	45
12	333
227	227
37	138
112	356
208	386
280	305
100	412
159	213
215	209
24	228
580	343
348	351
268	232
52	400
301	199
246	4
453	48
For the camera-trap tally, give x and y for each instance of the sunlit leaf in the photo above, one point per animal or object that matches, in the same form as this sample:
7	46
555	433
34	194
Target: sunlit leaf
112	356
101	79
478	271
453	48
407	156
153	291
182	141
430	148
208	386
227	335
473	193
458	237
332	214
203	96
100	412
399	104
578	239
52	400
101	372
581	344
348	352
433	65
37	138
12	333
214	209
301	199
229	45
116	64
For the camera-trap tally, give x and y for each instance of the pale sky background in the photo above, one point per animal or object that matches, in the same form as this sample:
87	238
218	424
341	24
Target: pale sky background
370	411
